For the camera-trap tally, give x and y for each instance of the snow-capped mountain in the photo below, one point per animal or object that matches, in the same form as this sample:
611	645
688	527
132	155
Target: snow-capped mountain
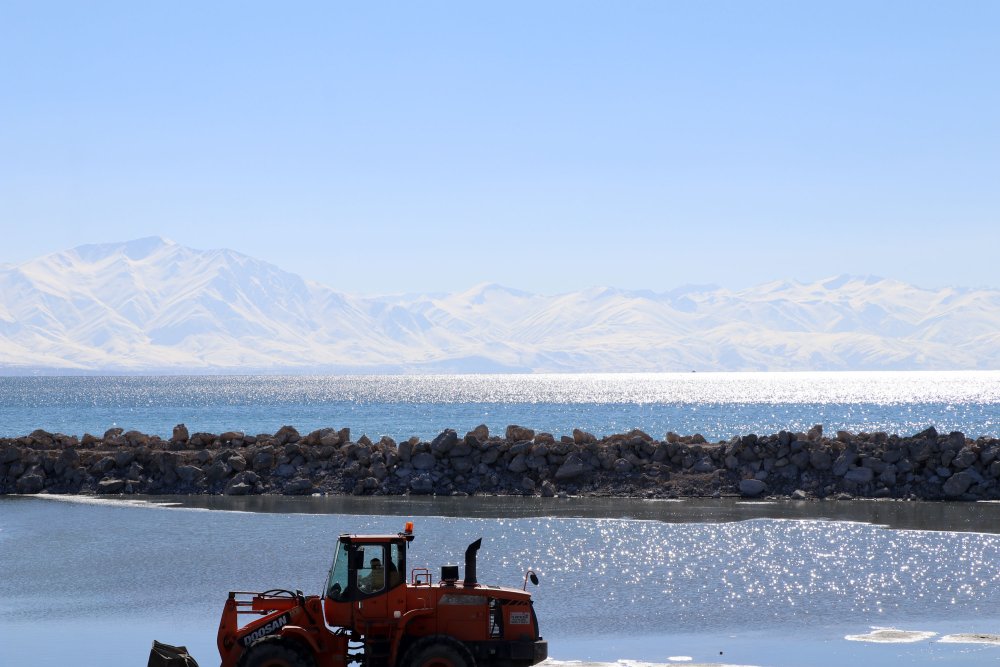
152	305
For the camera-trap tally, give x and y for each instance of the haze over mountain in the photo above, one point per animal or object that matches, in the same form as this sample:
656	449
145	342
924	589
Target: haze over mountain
151	305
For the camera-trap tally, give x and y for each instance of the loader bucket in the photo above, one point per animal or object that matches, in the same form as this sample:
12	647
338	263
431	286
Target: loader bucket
165	655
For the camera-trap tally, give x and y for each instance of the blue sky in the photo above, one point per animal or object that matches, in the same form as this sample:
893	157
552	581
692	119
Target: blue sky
549	146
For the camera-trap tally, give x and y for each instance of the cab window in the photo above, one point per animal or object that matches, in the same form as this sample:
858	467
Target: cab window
372	570
336	584
395	566
365	570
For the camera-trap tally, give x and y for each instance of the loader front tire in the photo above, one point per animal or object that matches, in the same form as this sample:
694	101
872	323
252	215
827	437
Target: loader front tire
438	651
275	652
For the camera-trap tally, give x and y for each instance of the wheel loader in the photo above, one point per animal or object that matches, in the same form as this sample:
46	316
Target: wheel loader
370	613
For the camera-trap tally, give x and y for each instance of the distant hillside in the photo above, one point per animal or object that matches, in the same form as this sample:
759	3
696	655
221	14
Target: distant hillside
152	305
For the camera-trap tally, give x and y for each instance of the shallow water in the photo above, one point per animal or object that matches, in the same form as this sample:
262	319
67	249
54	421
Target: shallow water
687	583
717	405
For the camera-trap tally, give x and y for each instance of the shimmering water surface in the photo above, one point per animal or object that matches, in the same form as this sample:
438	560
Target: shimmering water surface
715	582
694	582
717	405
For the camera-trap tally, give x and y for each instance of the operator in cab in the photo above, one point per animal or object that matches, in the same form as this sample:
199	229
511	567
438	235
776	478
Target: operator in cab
374	580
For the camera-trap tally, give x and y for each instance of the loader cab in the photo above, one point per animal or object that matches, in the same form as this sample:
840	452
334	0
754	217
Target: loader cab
365	567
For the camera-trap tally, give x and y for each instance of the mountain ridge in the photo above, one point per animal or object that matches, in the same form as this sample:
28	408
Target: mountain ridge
152	305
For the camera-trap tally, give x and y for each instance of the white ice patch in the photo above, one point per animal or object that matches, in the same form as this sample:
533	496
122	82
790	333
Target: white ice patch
971	638
128	501
891	636
113	501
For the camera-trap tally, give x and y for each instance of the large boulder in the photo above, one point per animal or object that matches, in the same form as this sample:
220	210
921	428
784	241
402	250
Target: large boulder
820	459
379	471
136	438
189	474
751	488
571	468
264	458
888	476
331	439
844	462
241	483
704	464
481	433
421	484
285	470
286	434
461	448
41	438
238	489
958	484
217	471
862	475
443	443
405	450
423	461
642	435
111	485
518	464
68	459
965	458
622	466
32	482
300	486
103	466
517	433
232	437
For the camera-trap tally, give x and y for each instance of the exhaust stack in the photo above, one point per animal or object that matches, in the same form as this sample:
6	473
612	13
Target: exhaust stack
470	563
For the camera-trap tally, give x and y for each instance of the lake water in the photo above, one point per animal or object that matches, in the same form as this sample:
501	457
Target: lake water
688	582
695	582
717	405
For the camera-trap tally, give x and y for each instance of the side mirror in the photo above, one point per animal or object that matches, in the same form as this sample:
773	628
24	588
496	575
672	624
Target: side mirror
534	578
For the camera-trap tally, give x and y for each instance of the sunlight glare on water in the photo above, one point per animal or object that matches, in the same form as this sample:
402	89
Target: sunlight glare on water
708	577
881	387
717	405
610	588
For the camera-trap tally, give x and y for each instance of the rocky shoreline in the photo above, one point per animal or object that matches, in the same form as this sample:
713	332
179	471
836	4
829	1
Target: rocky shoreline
926	466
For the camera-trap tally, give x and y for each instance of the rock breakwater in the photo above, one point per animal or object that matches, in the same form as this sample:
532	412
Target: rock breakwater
928	465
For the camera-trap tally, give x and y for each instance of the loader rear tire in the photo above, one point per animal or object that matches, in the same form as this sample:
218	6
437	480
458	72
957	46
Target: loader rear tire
438	651
275	652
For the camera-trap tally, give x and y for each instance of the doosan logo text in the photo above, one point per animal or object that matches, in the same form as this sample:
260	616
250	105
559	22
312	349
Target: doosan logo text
265	630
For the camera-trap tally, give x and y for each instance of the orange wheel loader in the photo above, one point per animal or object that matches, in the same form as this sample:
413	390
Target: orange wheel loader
370	613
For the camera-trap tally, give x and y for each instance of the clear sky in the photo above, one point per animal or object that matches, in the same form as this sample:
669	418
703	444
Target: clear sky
550	146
